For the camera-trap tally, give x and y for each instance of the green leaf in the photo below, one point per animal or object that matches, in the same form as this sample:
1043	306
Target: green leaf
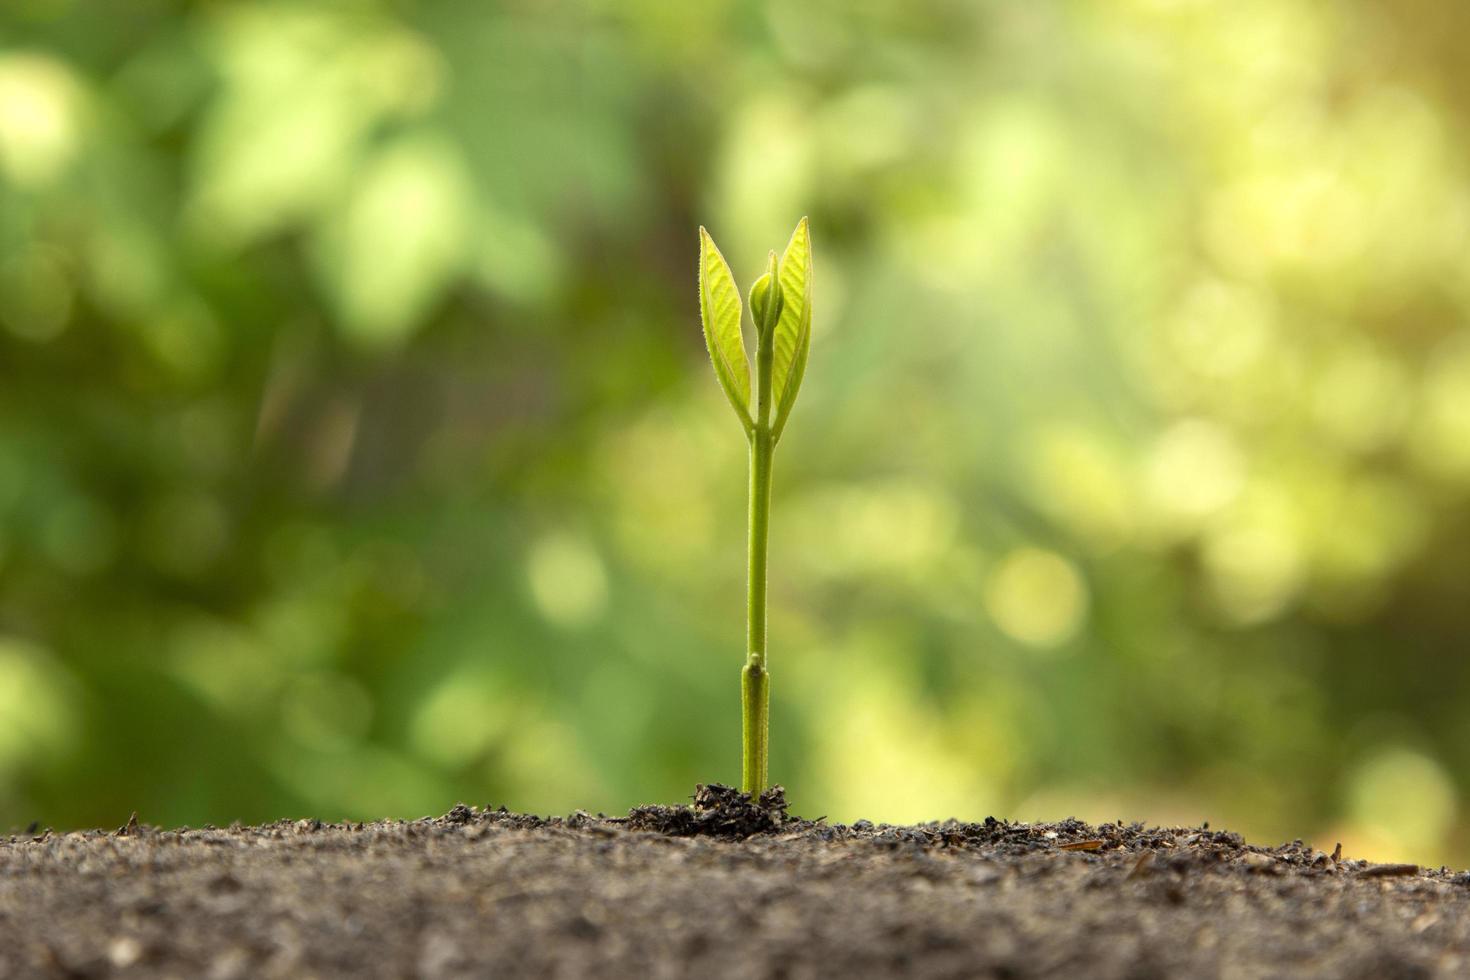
720	309
794	330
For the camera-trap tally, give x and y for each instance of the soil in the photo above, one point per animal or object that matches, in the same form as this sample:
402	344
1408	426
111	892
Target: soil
724	888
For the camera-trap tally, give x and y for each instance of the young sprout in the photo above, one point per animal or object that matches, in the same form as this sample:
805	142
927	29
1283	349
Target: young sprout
781	307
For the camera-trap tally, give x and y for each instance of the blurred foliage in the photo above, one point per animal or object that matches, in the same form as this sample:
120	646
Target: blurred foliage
358	453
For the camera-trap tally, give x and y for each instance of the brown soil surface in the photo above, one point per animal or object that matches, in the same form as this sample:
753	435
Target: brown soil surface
722	889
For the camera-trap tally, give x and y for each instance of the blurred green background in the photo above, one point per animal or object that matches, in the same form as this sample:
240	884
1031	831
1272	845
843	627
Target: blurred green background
359	453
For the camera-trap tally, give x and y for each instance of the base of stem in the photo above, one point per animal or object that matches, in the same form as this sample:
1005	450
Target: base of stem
755	714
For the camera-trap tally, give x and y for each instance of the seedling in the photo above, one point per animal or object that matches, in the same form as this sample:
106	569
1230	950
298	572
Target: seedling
781	307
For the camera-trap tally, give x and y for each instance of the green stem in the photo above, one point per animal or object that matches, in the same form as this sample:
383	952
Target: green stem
755	679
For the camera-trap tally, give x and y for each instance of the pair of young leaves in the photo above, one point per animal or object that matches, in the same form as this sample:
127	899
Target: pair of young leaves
781	304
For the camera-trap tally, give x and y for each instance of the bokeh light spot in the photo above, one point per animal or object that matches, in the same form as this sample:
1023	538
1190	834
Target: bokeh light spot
1036	597
567	578
1195	470
401	238
1404	797
460	718
1254	571
38	705
39	128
